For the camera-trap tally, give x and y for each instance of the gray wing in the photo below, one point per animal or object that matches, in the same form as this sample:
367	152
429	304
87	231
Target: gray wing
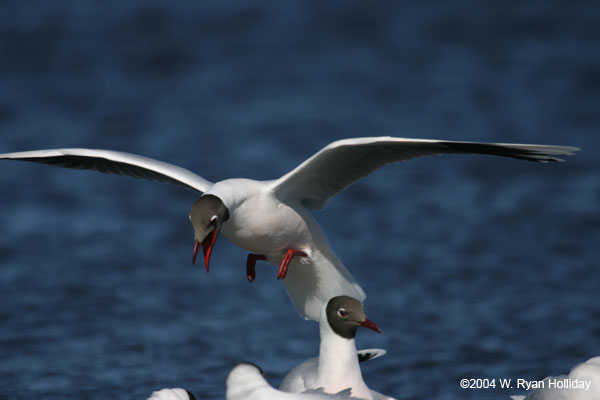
341	163
114	162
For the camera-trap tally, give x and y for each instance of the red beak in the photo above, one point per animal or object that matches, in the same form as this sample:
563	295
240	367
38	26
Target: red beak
367	323
207	246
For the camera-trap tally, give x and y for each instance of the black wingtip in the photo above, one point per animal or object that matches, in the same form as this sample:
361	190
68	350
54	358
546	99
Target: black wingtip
362	357
527	152
191	395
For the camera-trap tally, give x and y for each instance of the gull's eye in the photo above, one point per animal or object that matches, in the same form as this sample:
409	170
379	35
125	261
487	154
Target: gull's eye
342	313
214	219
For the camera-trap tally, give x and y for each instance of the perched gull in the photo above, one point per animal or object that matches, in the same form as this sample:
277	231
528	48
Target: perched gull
337	367
182	394
582	383
272	219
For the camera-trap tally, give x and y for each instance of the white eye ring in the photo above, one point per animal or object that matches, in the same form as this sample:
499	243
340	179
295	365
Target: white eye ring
214	219
342	313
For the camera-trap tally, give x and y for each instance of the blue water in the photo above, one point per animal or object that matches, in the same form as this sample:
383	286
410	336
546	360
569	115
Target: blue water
475	267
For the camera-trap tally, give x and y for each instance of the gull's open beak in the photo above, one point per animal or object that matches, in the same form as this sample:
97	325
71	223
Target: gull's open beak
367	323
207	246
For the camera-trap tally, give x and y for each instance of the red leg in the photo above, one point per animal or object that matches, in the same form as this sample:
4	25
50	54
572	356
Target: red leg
286	261
251	265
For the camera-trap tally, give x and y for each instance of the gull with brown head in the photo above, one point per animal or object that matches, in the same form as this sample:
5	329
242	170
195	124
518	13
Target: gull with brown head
272	220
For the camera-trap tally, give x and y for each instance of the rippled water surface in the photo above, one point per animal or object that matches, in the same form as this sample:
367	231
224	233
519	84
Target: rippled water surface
474	267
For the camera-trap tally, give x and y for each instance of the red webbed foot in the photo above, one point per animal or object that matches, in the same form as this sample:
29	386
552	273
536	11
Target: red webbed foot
251	265
291	253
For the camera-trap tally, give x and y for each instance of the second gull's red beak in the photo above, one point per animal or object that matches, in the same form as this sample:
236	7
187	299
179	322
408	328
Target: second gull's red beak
367	323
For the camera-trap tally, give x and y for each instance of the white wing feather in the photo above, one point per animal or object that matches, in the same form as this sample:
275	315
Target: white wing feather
114	162
341	163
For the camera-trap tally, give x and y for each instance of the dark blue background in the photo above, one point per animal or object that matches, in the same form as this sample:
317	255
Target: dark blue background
473	266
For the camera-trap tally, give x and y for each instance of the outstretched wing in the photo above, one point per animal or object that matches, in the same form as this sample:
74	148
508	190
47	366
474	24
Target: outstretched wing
341	163
114	162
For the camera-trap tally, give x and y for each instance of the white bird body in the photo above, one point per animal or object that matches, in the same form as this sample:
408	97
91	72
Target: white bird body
271	218
301	377
338	367
246	382
335	369
304	376
261	223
